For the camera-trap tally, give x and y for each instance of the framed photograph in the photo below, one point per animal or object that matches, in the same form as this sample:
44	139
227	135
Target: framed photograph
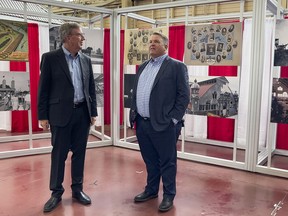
211	48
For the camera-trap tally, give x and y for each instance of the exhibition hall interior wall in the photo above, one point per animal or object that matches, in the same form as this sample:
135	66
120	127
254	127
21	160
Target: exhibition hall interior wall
206	127
197	126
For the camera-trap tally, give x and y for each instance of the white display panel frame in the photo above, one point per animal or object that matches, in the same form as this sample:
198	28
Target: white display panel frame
253	158
30	136
255	155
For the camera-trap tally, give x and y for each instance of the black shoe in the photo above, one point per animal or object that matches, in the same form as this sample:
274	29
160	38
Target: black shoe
81	197
144	197
51	204
166	204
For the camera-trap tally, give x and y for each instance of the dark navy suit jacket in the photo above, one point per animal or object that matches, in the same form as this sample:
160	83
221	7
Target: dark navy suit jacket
169	95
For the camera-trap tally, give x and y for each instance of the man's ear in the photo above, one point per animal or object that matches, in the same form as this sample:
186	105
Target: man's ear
166	47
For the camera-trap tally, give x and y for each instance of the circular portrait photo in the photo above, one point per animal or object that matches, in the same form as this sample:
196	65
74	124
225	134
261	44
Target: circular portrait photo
194	39
194	48
218	28
218	58
231	28
139	33
224	31
138	56
131	34
145	39
197	55
189	45
235	44
202	47
144	56
202	59
135	43
224	54
131	40
229	38
193	30
135	36
130	56
229	48
205	29
211	28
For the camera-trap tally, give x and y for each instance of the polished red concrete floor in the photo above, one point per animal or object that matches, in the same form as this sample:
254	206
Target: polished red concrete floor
113	176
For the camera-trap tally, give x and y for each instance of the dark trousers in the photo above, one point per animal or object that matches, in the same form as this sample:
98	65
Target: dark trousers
71	137
159	152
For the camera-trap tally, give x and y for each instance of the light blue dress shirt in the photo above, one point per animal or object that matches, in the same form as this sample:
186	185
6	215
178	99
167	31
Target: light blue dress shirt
76	76
145	84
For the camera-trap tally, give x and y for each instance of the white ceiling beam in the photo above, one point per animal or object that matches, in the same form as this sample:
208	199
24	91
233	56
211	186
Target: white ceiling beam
142	18
69	5
98	18
210	17
166	5
45	15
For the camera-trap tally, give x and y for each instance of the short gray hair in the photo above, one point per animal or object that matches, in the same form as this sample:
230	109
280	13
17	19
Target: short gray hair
66	29
164	37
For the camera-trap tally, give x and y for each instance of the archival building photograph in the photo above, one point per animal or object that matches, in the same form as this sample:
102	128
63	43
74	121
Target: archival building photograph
216	96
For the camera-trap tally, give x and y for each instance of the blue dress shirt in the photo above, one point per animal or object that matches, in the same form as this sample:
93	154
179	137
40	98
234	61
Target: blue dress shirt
145	84
76	76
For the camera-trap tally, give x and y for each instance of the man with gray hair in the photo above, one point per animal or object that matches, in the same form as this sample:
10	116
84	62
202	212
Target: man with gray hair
67	105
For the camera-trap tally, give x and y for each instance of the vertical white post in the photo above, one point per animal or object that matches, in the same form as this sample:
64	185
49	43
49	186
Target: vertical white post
115	74
255	84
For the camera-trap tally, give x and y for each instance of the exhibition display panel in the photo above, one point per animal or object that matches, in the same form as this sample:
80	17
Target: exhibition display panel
236	116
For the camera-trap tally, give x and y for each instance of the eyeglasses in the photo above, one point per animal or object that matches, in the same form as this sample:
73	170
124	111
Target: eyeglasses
79	35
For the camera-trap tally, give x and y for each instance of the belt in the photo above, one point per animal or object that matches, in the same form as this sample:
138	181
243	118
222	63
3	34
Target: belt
78	105
144	118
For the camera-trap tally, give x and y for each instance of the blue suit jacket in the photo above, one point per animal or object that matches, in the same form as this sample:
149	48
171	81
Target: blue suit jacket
56	91
170	94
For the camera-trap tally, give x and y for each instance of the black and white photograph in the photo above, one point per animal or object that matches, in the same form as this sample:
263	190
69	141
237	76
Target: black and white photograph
279	105
137	44
220	47
54	39
14	91
92	45
211	40
128	89
99	88
281	42
213	96
211	49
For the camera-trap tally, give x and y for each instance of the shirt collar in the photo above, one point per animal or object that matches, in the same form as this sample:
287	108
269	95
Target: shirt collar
67	53
159	59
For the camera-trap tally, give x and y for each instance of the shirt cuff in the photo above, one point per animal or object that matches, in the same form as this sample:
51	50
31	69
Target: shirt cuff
175	121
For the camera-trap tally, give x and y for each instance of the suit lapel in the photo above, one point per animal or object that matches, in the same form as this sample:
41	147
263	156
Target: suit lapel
84	66
161	70
63	62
